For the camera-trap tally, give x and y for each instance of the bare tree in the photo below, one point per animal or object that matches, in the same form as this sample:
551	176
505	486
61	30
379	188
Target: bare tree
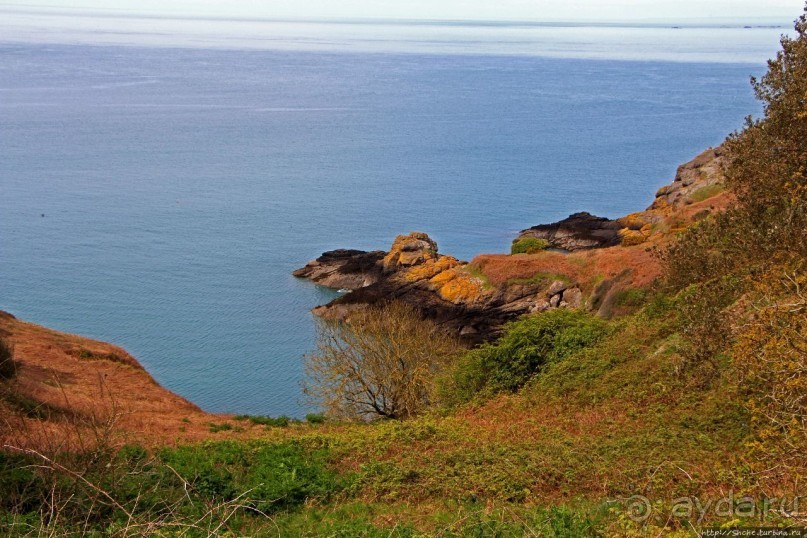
381	362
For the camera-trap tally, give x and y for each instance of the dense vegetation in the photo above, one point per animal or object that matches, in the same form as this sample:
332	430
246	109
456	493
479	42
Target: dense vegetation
556	429
743	271
526	347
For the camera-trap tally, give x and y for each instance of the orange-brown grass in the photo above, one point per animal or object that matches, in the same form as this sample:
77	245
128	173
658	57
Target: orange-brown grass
589	267
585	267
67	386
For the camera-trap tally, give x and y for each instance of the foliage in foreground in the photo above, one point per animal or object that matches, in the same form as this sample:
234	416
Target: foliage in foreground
743	271
196	490
558	458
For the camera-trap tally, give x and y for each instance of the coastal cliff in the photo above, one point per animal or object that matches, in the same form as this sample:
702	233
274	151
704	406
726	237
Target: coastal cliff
72	388
581	262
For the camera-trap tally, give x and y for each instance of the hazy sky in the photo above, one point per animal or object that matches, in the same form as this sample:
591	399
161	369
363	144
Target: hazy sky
534	10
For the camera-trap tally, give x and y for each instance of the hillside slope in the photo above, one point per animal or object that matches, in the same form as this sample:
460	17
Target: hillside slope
66	385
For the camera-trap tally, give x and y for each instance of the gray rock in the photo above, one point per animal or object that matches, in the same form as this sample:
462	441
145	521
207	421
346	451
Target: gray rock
556	287
572	298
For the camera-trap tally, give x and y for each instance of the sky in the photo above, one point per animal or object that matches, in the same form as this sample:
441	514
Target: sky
759	11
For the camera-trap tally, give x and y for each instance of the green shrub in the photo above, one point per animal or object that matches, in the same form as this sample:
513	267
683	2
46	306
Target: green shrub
563	522
631	297
223	427
231	485
315	418
528	245
19	484
526	346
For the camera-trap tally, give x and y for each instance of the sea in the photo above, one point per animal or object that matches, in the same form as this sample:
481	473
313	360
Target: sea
160	178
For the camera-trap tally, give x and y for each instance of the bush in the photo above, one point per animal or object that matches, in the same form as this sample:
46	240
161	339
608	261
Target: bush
764	169
770	357
315	418
19	484
381	363
528	245
8	368
740	275
526	346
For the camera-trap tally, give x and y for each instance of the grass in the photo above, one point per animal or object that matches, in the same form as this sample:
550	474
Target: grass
222	427
88	355
315	418
560	457
704	193
478	273
629	300
280	422
8	367
538	279
528	245
231	486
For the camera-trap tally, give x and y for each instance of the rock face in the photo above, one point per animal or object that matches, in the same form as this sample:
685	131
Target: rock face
579	231
702	171
343	269
410	250
695	181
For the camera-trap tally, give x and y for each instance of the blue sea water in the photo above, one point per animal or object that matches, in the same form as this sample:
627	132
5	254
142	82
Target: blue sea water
157	193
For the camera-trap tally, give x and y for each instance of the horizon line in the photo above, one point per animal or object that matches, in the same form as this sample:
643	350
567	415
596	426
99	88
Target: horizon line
691	22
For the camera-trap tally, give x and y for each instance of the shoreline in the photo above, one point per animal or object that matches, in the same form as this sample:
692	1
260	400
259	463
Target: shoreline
587	263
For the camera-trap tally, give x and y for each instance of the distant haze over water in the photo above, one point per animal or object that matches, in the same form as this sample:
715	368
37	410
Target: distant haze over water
679	42
161	178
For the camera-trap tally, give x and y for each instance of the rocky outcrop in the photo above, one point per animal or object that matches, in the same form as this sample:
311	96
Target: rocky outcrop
579	231
590	262
343	269
695	181
410	250
701	172
444	289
